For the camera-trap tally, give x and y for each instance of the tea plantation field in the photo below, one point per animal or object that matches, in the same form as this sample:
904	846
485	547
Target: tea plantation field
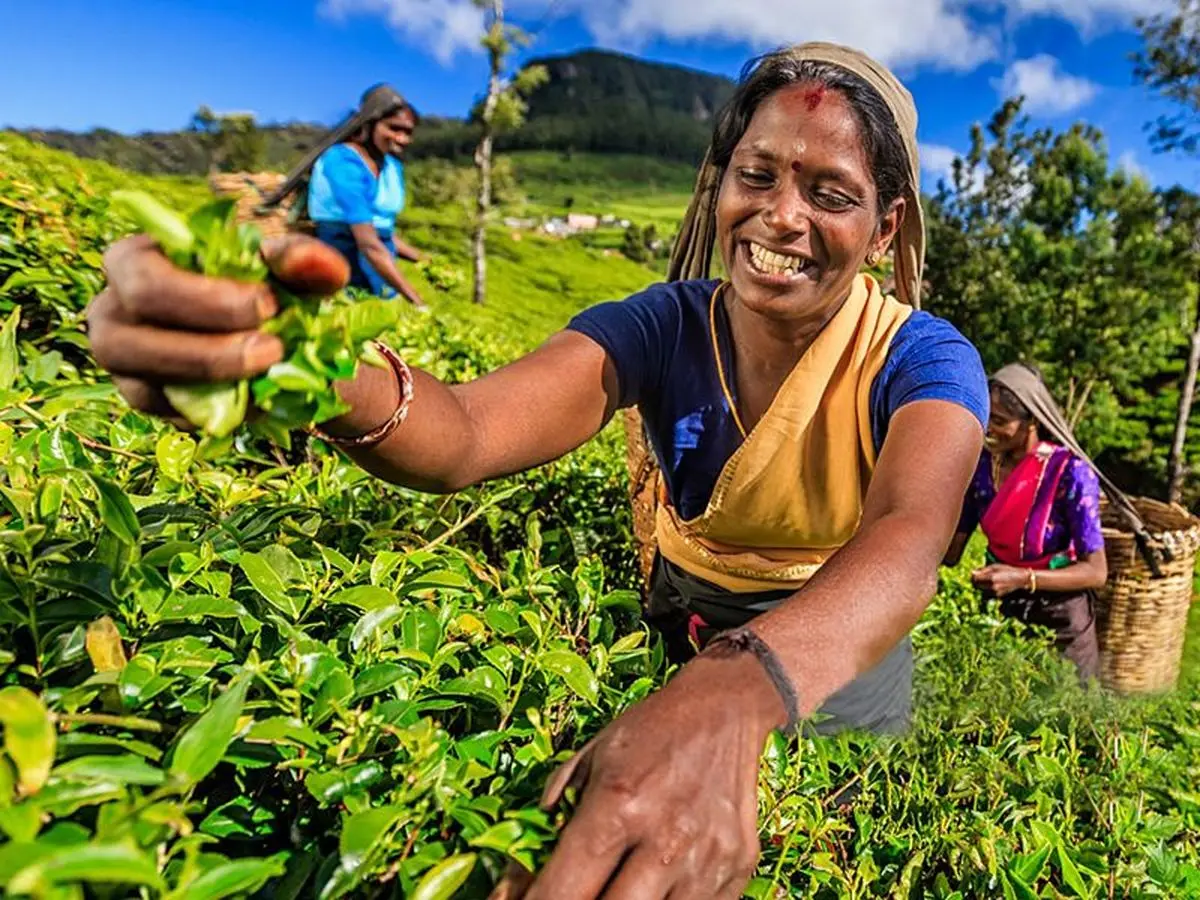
229	669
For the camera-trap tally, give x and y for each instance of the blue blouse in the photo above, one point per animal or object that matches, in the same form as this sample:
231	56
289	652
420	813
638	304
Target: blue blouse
660	345
344	190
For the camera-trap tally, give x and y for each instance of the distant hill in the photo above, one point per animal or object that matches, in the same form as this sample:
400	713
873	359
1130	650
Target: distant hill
173	152
594	101
590	81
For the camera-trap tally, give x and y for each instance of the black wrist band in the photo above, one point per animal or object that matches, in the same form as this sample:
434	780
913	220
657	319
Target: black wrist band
743	640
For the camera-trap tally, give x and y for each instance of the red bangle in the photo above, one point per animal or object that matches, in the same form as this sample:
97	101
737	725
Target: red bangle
380	433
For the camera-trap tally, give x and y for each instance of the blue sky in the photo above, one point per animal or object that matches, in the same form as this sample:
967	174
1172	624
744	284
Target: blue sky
133	65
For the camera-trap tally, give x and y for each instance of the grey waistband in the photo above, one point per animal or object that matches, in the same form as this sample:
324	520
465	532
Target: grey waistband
879	700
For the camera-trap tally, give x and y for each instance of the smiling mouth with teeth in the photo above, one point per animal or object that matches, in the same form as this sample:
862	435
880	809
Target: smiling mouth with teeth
769	262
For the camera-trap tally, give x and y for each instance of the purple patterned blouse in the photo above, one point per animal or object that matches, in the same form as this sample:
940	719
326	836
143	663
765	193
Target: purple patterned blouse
1074	517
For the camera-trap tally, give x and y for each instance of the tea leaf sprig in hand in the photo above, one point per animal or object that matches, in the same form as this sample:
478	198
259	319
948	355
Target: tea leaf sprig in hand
323	339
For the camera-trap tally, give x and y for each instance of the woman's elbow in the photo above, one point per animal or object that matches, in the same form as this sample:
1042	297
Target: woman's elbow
1097	569
371	248
1098	580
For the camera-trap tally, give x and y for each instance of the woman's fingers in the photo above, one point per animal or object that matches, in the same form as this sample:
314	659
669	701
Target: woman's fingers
145	397
153	290
162	355
647	875
589	852
573	773
305	265
513	885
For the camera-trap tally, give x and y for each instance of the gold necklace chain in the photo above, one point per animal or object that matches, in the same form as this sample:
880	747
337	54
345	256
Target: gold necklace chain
712	327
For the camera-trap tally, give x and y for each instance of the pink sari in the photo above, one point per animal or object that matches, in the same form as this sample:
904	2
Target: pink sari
1015	522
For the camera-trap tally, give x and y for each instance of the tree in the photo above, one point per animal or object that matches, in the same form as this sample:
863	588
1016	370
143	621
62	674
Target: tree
232	142
1169	63
503	109
1039	252
1183	219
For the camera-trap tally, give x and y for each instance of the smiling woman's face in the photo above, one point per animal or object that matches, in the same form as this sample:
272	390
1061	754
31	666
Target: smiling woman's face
798	209
393	134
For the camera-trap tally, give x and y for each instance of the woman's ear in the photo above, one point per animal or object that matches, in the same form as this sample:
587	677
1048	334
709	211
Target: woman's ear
889	225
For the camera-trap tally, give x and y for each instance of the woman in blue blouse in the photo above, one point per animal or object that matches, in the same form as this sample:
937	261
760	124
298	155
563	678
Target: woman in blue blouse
356	191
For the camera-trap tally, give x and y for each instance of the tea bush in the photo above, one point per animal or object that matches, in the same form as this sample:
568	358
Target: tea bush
228	670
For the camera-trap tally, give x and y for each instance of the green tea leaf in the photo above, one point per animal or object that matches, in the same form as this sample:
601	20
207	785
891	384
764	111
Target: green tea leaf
484	682
373	622
94	863
1028	867
364	831
366	597
330	787
500	836
174	453
574	671
270	584
628	643
421	631
443	880
379	678
1070	873
201	747
9	363
169	230
238	877
29	737
217	409
181	607
116	511
124	769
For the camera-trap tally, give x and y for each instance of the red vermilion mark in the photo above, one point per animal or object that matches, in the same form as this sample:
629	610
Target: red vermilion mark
813	98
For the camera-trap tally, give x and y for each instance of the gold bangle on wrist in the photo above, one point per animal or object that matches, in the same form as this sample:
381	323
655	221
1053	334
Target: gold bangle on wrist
380	433
1032	581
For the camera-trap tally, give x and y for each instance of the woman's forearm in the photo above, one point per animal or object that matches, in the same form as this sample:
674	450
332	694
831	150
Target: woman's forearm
856	608
407	251
524	414
1088	574
430	451
381	259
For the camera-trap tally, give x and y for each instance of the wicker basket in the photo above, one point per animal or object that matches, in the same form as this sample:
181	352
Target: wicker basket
1142	620
643	489
249	188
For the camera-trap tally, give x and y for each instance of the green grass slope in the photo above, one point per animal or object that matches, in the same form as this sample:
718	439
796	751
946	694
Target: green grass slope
535	283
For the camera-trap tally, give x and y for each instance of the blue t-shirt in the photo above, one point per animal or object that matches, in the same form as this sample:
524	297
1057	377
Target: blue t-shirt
344	190
660	345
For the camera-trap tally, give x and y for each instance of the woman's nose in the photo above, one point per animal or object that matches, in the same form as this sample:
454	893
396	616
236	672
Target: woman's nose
788	212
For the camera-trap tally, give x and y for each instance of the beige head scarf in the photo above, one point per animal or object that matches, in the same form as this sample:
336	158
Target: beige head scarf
697	236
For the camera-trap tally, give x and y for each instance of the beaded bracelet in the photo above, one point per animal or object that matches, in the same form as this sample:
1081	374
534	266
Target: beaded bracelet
743	640
380	433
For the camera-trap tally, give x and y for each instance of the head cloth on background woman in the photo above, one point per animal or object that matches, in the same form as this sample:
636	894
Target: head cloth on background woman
377	103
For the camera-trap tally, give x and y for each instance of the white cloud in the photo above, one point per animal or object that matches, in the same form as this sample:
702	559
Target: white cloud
1128	162
937	162
445	27
930	32
934	32
1089	14
955	35
1047	89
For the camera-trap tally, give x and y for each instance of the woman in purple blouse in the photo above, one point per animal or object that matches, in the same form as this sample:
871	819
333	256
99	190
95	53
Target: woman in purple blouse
1038	504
